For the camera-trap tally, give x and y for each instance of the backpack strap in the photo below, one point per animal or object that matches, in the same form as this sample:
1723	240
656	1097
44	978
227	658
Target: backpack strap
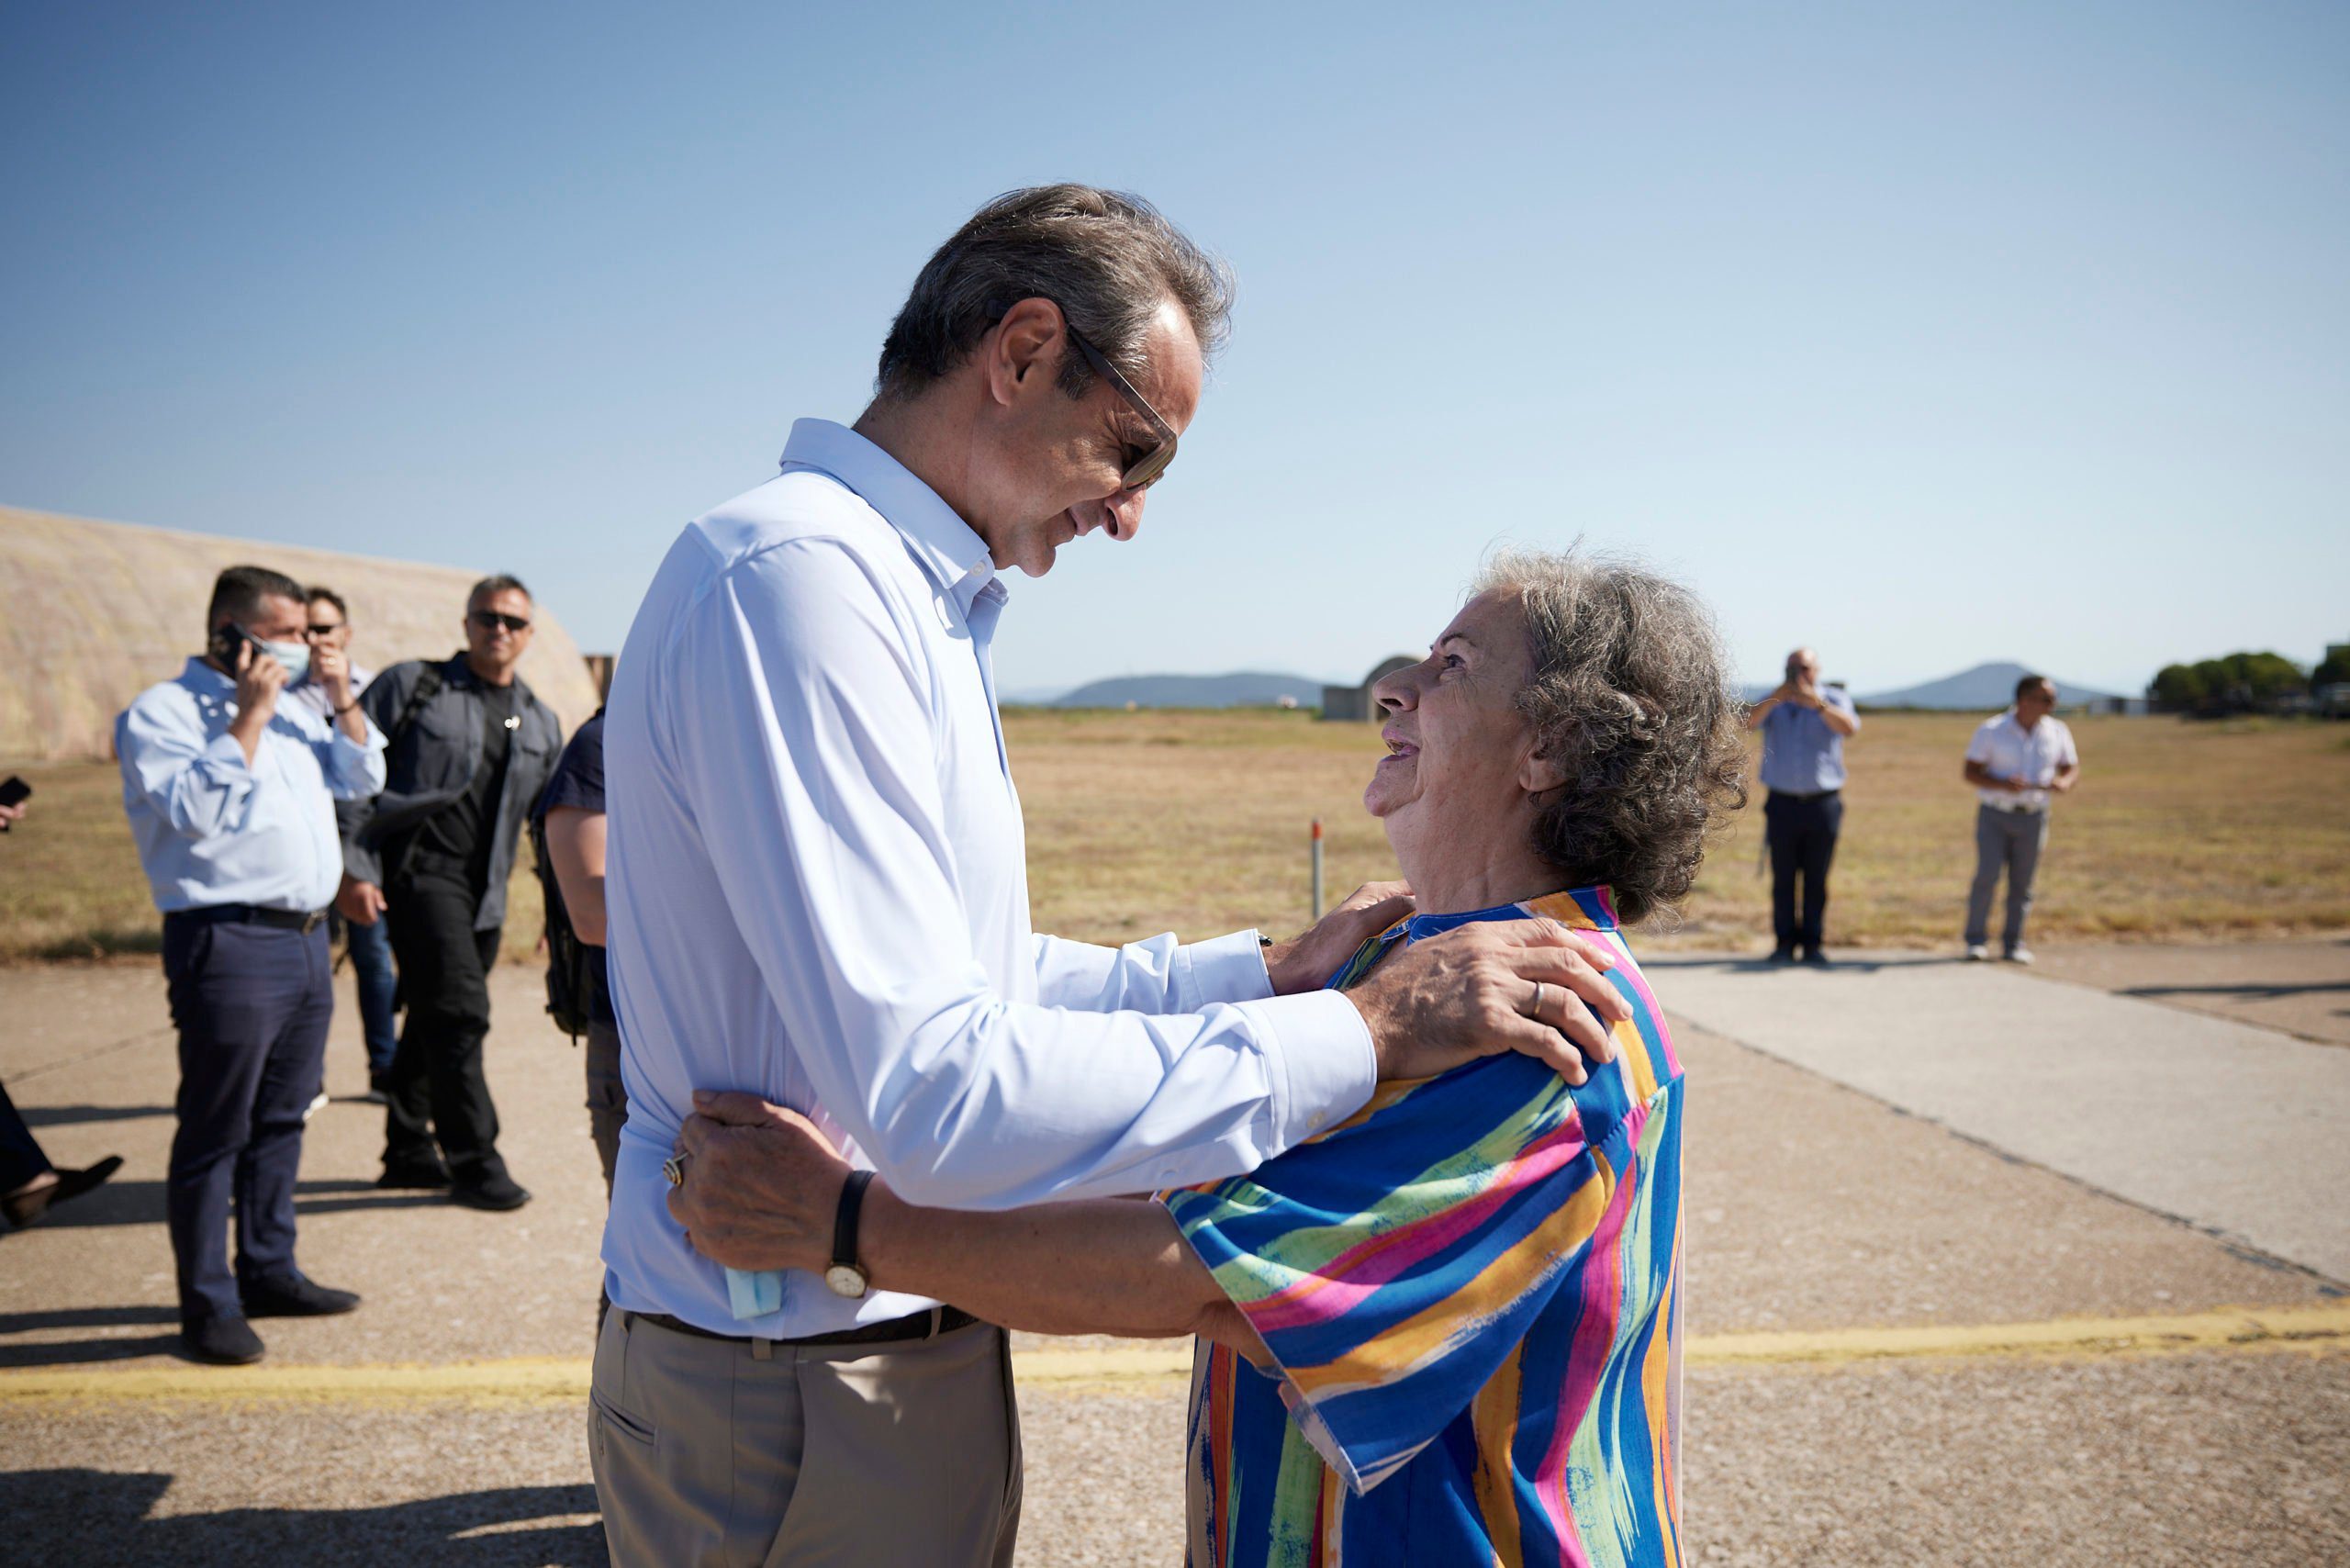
427	688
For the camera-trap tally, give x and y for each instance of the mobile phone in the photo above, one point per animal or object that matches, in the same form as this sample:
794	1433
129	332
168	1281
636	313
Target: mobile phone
12	790
226	640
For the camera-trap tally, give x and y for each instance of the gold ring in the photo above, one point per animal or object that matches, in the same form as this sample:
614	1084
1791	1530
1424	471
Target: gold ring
674	1167
1537	998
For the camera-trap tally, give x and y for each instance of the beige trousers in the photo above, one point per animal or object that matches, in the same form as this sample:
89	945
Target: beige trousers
711	1454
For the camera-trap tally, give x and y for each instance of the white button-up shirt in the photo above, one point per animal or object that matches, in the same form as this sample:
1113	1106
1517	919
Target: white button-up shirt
2035	756
817	891
214	829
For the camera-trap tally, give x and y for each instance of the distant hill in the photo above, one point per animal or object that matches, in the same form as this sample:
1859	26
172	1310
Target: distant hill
1986	688
1250	689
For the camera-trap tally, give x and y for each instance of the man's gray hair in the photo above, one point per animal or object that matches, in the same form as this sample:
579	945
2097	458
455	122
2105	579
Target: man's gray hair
1107	258
1629	697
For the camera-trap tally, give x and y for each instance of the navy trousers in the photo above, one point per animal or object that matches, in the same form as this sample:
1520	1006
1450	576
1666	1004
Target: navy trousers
1802	833
371	965
21	1158
251	1004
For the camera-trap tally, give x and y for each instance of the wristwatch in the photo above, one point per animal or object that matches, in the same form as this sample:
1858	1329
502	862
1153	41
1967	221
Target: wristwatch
841	1276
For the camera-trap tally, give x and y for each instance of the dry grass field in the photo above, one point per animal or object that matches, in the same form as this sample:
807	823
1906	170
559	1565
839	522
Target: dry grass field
1140	822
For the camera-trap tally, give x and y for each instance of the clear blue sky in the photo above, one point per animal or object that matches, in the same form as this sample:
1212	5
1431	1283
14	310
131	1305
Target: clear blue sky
1927	333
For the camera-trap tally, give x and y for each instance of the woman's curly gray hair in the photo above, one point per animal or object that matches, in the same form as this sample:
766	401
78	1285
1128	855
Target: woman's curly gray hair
1629	696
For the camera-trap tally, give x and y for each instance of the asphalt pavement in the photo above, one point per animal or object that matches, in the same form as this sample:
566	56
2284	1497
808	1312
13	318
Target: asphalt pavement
1923	1332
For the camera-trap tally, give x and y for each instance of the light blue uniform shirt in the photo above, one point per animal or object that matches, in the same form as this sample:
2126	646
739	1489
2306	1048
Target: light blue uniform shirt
1800	753
211	829
816	889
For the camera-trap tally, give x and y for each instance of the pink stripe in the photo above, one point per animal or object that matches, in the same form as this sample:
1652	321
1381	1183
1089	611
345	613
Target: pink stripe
1595	1340
1346	1279
1630	969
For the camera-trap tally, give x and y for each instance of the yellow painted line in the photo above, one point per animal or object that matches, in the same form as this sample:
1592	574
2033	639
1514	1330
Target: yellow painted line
555	1380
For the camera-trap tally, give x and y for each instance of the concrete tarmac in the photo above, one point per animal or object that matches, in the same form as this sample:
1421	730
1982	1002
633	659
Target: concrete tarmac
2225	1125
1819	1216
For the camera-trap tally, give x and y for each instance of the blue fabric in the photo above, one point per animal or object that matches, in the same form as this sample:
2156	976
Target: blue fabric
379	982
212	829
1800	753
251	1003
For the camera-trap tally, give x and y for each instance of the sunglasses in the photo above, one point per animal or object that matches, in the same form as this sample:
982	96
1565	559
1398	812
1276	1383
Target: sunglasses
490	621
1142	470
315	630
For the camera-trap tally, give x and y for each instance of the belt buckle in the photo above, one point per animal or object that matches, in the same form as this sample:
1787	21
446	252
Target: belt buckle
312	920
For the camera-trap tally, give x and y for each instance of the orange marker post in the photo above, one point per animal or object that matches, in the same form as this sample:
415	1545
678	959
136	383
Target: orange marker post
1317	868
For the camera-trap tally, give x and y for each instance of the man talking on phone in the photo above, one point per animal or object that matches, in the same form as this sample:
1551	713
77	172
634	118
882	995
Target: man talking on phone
230	795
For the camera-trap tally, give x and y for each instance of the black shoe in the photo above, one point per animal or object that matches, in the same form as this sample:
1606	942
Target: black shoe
294	1297
26	1207
1783	955
497	1193
413	1173
220	1341
1817	958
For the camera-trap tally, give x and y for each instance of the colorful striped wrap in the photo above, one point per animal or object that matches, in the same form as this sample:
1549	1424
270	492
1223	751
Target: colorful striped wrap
1472	1290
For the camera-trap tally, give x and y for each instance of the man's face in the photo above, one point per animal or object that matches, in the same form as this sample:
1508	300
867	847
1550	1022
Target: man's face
498	628
1803	667
1053	471
2034	703
278	619
327	628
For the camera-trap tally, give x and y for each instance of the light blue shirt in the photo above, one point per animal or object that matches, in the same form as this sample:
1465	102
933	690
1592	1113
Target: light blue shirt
1800	753
212	829
816	889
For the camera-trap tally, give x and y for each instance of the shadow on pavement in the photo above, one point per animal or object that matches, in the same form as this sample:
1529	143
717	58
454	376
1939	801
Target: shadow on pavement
93	1518
2245	993
141	1203
84	1353
65	1115
1838	964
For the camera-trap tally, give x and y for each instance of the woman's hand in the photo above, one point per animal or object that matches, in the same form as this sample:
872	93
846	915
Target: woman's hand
1304	962
761	1185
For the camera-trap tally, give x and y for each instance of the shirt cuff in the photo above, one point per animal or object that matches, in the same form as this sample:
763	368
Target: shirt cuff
1230	968
1319	1064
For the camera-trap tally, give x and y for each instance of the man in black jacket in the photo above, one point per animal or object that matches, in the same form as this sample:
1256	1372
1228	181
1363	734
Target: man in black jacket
471	748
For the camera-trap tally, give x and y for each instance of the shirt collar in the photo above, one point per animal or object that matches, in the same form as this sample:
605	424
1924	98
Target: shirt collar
1591	909
956	557
201	676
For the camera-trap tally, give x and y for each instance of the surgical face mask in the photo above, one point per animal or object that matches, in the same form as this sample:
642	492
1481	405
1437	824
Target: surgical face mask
294	657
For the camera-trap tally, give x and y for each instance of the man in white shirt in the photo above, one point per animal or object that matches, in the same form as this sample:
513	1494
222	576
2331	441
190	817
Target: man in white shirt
2017	763
816	891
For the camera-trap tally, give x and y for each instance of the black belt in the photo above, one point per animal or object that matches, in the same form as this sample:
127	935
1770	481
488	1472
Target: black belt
1806	794
302	921
921	1325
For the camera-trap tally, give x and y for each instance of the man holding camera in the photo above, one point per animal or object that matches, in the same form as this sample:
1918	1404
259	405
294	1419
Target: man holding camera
1804	727
230	796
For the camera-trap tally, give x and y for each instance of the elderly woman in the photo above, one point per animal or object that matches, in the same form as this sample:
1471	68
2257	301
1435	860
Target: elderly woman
1447	1330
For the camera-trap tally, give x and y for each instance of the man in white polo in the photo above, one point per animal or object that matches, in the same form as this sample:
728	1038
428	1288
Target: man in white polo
2017	763
816	891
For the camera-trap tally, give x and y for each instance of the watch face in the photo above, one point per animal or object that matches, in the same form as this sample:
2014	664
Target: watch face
842	1280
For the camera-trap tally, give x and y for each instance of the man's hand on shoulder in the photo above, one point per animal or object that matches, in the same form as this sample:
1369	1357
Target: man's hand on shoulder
1305	961
1530	986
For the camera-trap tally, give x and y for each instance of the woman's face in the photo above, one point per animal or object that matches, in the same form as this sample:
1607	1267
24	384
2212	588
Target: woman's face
1457	782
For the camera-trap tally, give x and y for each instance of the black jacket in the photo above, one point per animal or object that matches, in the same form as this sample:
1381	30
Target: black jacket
433	765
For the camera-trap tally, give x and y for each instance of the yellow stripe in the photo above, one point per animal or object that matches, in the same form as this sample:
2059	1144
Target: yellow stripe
559	1381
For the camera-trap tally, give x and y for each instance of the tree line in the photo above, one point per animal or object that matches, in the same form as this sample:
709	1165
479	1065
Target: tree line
2246	682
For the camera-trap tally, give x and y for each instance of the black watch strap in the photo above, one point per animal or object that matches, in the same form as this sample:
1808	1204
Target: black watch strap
844	1218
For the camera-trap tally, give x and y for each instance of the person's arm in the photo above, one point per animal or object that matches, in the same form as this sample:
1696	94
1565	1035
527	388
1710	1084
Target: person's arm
575	843
196	786
804	740
1098	1266
2068	768
1162	976
1762	711
1839	717
362	868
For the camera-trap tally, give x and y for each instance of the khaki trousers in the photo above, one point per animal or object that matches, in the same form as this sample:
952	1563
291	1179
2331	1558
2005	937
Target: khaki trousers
709	1452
